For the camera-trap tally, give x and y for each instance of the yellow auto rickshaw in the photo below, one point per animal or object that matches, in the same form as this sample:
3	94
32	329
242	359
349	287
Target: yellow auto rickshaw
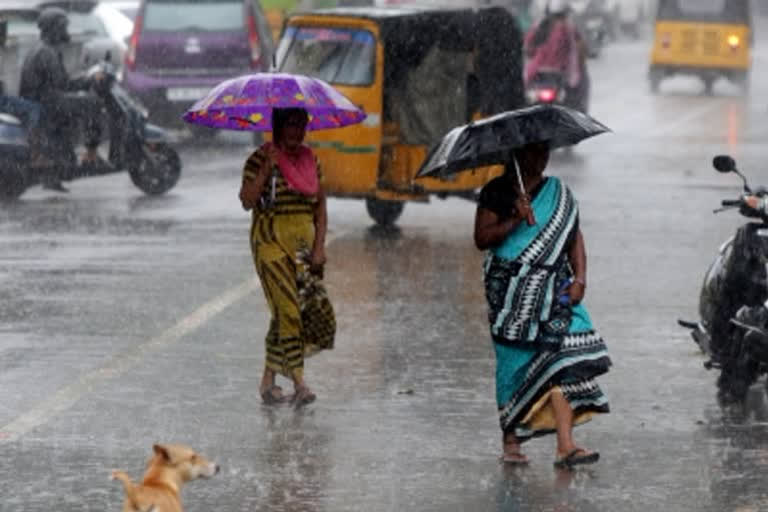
417	73
706	38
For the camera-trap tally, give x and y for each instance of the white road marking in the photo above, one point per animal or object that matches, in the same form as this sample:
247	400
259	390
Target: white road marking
119	364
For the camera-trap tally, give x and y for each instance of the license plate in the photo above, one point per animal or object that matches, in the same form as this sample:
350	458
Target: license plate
186	93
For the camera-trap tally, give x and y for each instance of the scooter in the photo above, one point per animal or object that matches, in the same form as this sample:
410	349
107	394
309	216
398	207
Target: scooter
732	315
546	88
135	145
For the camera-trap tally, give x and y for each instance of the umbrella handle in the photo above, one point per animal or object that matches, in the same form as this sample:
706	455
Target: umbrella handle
531	217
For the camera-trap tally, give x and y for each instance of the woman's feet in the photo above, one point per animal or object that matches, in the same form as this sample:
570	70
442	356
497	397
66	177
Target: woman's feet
575	457
272	395
511	452
303	396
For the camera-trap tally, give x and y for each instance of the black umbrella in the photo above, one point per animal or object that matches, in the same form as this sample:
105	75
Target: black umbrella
491	141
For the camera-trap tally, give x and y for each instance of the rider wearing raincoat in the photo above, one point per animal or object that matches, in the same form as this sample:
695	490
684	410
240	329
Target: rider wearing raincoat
555	46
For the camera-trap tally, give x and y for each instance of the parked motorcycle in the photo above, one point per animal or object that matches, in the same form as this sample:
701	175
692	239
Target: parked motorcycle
731	327
135	145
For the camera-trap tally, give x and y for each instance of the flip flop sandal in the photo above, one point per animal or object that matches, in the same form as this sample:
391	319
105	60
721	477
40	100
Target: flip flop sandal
273	395
574	459
515	459
304	396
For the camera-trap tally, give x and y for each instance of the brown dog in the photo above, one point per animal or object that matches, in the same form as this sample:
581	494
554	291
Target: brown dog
167	470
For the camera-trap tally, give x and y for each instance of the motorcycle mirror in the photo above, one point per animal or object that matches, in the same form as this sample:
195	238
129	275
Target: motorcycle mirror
108	56
724	164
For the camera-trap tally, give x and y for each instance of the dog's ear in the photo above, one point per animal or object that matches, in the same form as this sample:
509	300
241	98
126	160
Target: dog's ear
162	451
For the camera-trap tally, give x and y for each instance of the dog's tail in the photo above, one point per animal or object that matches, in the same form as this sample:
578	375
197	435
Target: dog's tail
130	488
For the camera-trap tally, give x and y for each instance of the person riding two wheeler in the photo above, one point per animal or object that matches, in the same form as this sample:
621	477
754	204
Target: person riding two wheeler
555	45
45	80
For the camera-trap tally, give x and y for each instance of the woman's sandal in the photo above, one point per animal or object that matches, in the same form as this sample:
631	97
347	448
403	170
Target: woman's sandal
577	457
273	395
303	396
515	459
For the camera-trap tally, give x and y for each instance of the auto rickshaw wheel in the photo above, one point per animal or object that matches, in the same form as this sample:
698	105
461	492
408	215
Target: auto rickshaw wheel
654	79
384	213
709	86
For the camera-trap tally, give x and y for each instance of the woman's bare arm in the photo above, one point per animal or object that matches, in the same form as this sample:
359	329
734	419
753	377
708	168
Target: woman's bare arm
254	177
490	230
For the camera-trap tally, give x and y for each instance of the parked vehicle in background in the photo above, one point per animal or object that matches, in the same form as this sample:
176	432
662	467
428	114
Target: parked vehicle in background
732	323
709	39
96	28
631	16
22	34
594	23
179	49
130	8
416	72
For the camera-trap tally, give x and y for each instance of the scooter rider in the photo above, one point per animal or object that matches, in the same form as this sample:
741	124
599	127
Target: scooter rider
45	80
556	45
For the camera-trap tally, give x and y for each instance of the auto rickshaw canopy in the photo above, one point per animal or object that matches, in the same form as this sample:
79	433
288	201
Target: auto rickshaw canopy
732	12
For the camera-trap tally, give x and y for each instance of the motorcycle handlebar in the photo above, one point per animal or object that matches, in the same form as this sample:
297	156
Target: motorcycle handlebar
732	202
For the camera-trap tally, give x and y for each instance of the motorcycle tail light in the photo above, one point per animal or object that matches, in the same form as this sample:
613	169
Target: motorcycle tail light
253	41
130	55
547	95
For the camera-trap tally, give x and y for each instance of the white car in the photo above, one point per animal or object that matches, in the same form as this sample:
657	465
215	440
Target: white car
98	27
128	7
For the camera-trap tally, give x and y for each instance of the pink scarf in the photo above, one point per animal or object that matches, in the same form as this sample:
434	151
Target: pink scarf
300	173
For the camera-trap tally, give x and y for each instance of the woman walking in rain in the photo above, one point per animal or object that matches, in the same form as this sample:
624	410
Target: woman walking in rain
547	351
281	184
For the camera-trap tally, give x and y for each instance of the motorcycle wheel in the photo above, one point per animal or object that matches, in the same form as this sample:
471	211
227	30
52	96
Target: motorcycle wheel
736	377
158	170
13	181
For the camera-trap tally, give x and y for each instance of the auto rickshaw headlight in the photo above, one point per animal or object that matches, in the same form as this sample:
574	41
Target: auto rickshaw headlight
734	41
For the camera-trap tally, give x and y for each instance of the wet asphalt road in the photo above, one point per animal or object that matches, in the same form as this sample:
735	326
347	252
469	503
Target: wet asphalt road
127	320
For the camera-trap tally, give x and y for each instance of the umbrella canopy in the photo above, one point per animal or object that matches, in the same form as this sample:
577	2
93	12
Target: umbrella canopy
246	103
491	141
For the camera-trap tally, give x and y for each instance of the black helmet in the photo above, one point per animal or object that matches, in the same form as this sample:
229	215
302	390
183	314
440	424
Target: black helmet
53	24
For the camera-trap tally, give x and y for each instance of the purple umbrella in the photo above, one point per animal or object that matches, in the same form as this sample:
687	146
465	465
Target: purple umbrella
246	103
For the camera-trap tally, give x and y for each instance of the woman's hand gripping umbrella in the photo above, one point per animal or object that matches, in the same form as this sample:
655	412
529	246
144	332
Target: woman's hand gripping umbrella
492	141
